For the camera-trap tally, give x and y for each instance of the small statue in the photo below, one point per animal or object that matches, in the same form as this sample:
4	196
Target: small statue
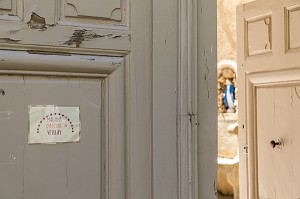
229	96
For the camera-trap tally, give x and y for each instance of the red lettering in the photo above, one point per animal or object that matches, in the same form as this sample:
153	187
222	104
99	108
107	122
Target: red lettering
54	119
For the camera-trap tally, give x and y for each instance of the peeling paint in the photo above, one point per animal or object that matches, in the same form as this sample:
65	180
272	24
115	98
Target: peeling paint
115	36
6	115
79	36
206	75
47	53
11	160
116	63
37	22
9	40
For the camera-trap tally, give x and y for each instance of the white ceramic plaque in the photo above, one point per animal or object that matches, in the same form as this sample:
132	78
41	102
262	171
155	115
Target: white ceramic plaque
53	124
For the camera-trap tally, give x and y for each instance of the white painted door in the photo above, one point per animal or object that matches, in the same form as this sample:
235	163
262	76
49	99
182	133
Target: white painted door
153	63
269	106
128	50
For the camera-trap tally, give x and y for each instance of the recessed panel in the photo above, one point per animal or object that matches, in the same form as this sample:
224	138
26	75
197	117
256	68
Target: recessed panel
62	170
293	26
5	4
277	140
259	36
97	9
8	8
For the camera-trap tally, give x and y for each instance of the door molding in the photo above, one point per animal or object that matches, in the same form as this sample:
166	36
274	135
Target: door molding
186	108
32	63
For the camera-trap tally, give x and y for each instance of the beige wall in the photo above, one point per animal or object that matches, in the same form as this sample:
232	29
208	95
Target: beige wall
227	28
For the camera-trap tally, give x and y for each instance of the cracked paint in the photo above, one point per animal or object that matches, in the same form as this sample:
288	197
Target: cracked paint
79	36
11	160
298	96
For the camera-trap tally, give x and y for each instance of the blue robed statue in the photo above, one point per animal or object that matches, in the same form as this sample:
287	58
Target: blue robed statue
229	96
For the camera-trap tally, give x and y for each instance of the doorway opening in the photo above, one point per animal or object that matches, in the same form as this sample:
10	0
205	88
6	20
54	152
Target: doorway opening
228	154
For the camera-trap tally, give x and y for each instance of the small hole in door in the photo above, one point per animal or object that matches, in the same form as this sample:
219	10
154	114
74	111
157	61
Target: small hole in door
2	92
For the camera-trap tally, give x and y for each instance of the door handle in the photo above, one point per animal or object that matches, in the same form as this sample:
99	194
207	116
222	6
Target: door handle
279	143
274	144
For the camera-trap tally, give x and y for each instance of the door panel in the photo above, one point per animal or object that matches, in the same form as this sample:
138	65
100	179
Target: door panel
71	38
278	117
71	170
275	112
267	131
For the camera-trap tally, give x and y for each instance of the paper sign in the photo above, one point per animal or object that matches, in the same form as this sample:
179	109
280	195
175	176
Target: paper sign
53	124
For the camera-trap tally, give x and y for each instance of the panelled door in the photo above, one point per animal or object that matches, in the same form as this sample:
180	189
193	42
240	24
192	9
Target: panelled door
76	99
269	109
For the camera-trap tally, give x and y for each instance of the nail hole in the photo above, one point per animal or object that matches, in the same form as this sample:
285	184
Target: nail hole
2	92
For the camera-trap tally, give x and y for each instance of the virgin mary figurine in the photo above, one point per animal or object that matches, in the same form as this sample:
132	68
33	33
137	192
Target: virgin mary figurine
229	96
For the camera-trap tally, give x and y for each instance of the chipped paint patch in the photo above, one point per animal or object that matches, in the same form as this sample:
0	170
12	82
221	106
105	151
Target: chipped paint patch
6	115
79	36
11	160
37	22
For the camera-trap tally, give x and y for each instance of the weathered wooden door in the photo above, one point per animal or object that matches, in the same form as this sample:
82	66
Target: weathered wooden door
76	99
269	106
133	84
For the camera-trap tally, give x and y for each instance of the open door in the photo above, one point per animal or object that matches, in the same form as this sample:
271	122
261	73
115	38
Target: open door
269	105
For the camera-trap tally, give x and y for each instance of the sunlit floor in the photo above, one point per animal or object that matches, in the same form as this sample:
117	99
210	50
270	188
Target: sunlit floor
224	197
